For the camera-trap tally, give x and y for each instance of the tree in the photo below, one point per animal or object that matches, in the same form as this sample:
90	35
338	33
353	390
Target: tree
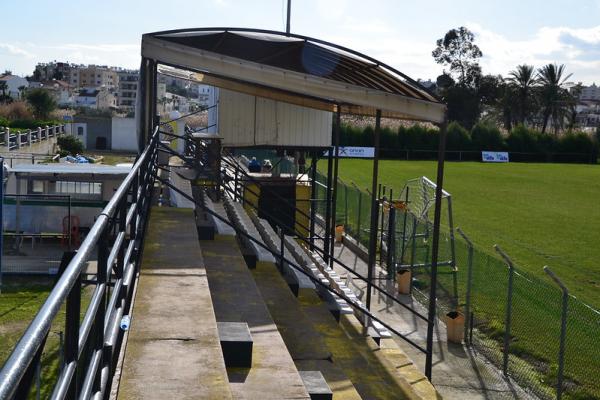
22	92
41	102
523	80
4	98
554	99
70	144
457	51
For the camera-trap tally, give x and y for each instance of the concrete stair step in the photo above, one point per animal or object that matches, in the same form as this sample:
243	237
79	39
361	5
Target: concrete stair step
236	298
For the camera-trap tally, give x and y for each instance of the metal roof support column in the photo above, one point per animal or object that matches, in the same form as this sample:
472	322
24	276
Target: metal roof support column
374	211
431	317
144	102
313	197
336	146
327	235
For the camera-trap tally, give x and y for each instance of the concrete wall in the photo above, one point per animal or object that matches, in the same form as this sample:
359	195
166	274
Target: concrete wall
124	137
96	127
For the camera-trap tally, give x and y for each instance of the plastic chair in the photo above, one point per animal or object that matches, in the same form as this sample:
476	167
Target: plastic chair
75	235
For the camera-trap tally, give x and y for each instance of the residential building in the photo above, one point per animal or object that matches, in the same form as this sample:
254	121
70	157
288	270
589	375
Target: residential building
128	84
14	85
60	91
203	94
590	93
98	76
99	99
54	70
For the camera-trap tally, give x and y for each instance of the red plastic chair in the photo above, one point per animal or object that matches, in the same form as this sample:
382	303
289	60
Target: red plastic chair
75	236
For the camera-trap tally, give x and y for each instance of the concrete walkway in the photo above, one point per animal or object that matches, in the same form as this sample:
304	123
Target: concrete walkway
458	373
173	349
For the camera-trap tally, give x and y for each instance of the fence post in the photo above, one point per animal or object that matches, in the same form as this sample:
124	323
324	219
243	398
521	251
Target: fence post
346	206
563	331
7	139
39	134
29	138
469	283
507	322
391	243
359	212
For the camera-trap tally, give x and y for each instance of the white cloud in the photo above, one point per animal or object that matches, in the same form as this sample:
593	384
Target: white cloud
15	50
579	49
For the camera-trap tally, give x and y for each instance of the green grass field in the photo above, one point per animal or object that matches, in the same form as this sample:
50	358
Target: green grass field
20	300
540	214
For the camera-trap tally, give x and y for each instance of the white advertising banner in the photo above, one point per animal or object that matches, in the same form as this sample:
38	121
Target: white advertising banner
355	152
494	156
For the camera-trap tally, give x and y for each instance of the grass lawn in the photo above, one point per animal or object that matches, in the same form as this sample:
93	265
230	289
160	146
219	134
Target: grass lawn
20	300
540	214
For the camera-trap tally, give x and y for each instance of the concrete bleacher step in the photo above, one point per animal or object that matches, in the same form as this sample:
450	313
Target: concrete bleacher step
304	343
316	385
173	350
236	298
342	352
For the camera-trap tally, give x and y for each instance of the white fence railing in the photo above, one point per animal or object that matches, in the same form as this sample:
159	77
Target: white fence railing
19	139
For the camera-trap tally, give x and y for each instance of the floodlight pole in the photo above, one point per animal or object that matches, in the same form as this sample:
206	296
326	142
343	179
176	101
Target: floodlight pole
374	210
431	317
289	14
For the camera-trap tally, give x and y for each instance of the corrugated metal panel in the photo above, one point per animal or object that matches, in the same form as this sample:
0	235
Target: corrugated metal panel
246	120
236	118
267	130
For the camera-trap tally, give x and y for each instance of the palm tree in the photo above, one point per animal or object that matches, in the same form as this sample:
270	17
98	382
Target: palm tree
523	79
554	98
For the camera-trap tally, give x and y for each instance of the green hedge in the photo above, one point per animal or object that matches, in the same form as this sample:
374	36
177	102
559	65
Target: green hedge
30	123
524	144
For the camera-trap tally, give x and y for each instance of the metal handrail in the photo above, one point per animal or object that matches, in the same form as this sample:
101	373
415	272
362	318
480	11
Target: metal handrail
34	337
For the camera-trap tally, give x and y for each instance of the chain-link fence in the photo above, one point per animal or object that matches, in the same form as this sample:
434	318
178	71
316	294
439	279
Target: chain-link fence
37	230
511	317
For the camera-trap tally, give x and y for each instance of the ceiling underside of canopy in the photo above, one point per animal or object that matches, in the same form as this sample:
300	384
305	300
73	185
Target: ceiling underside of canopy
293	69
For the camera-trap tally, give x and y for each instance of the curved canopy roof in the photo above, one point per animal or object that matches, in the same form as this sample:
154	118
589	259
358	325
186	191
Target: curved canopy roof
295	69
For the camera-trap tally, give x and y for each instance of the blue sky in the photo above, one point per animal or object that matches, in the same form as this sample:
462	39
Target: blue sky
401	33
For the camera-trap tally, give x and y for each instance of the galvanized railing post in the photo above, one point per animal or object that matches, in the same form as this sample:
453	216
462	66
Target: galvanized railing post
508	318
73	311
469	283
563	331
99	327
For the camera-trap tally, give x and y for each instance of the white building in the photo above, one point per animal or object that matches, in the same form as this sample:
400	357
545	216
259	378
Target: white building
590	93
203	94
13	83
60	91
128	84
96	98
